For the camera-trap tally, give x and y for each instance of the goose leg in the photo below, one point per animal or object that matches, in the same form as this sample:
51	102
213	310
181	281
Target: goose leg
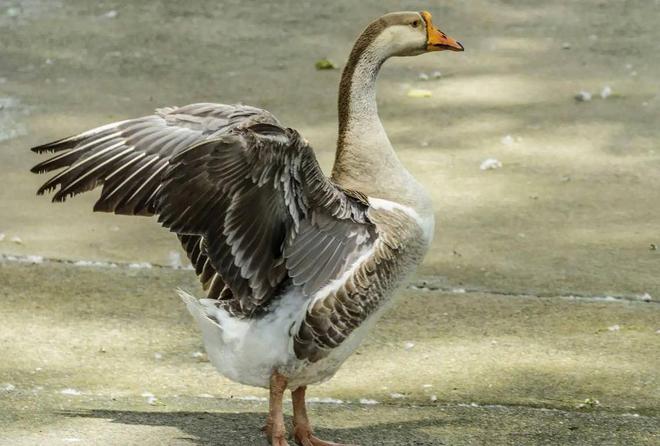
302	430
275	429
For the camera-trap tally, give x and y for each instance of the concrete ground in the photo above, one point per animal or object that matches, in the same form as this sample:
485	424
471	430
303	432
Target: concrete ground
109	356
509	338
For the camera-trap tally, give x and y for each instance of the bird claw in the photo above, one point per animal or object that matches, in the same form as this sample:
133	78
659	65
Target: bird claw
305	437
273	438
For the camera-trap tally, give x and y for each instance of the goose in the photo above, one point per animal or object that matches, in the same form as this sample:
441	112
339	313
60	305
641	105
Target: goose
296	266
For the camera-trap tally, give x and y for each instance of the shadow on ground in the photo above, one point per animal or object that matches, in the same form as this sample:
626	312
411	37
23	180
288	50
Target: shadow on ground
417	426
208	428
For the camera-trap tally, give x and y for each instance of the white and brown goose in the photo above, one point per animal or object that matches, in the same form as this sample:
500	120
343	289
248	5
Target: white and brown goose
297	266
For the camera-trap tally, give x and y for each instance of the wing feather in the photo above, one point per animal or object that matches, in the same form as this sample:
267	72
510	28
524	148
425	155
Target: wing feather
246	197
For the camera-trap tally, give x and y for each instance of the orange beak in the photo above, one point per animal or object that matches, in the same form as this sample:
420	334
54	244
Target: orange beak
436	40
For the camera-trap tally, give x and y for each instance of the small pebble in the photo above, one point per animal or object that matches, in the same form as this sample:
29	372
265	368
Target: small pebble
490	164
423	77
409	346
2	236
614	327
566	46
158	356
8	387
70	391
583	96
589	403
368	401
507	140
434	398
16	239
175	260
200	356
111	14
436	74
606	92
646	297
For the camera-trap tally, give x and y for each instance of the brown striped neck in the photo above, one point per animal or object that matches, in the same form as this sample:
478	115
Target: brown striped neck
357	89
365	160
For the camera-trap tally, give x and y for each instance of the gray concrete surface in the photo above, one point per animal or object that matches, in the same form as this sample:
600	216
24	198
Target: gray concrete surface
572	212
84	348
577	195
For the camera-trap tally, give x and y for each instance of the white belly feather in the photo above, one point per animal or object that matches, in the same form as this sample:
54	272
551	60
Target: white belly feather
248	350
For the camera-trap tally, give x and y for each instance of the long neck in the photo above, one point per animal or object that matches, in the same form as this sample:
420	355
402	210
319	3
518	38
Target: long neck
357	107
365	160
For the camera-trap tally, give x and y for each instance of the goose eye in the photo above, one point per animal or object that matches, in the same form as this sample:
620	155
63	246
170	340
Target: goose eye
415	24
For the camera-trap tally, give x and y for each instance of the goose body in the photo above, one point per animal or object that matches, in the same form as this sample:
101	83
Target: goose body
296	266
248	350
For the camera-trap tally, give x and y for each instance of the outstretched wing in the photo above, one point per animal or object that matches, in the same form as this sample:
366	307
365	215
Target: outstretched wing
129	157
246	197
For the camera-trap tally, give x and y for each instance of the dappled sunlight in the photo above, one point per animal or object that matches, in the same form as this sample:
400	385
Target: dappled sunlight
516	44
507	370
505	13
570	209
124	340
515	83
491	90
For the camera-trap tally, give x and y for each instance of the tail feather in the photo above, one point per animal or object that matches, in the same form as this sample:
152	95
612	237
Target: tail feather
199	309
186	297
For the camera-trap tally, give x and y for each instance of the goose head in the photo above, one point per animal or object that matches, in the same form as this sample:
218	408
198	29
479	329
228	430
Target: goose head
363	148
409	34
